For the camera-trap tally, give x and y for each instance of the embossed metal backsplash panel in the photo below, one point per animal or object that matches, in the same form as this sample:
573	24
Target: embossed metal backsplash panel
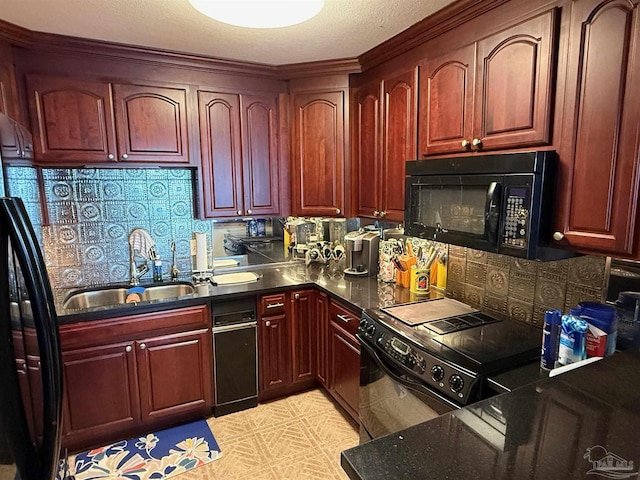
22	182
509	287
92	211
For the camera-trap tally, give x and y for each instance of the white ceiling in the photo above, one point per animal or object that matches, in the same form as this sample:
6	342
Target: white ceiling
343	29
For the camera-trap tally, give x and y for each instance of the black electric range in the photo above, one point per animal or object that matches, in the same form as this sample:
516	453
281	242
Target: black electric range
447	346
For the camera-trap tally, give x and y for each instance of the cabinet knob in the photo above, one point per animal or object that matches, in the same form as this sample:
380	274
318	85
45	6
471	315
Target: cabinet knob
337	211
143	346
128	349
465	143
383	214
111	156
477	143
239	212
376	213
557	236
249	212
267	323
125	156
296	296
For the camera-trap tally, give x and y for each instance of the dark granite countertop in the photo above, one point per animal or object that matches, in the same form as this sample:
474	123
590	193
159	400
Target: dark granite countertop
357	292
518	377
558	428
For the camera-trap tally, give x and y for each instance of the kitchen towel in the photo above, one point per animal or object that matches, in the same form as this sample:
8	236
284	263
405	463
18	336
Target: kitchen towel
159	455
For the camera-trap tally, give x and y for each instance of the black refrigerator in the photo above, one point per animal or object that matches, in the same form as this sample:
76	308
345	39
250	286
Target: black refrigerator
30	359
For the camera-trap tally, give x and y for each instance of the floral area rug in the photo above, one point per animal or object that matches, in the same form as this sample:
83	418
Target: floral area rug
158	455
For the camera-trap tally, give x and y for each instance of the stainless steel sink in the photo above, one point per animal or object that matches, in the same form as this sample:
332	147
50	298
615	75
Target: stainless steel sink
118	295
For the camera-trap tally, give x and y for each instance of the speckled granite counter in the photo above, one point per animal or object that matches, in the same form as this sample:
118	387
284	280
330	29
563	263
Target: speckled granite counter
557	428
358	292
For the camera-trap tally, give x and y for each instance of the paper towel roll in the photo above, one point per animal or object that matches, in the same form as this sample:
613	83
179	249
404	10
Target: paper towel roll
201	252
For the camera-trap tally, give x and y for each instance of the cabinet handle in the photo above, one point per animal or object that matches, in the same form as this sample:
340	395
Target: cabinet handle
337	211
111	156
296	296
477	143
143	346
125	156
267	323
23	369
376	213
128	348
275	305
344	318
249	212
383	214
557	236
465	143
239	212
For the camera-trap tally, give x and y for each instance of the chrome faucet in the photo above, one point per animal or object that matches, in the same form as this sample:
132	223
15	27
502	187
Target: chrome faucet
142	245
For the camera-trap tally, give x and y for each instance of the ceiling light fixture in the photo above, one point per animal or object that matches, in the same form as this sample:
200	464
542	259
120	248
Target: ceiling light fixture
259	13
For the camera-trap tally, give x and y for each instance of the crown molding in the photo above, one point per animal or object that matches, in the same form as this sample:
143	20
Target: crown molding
342	66
432	26
15	34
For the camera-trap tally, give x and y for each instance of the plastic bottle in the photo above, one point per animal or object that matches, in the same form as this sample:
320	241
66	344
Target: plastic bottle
551	338
572	340
157	270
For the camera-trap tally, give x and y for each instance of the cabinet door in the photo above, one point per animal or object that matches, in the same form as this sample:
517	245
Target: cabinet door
151	123
274	352
221	154
9	104
100	392
399	142
345	369
601	142
260	155
368	147
514	85
302	320
321	336
176	374
72	120
446	102
318	153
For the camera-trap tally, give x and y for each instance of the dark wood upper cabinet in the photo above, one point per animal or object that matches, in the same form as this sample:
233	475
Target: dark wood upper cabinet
368	144
16	142
386	139
318	156
72	120
151	123
260	154
238	140
446	101
493	94
514	85
601	139
220	149
9	102
91	122
399	141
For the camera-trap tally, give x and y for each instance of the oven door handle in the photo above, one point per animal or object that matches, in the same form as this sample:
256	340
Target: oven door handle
411	385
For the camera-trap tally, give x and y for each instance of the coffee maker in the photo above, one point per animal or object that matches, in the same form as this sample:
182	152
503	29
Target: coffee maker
362	253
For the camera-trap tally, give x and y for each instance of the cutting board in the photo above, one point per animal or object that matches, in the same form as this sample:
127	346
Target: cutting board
231	278
422	312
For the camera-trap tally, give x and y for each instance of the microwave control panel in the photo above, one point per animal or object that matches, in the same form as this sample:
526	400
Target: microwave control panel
516	219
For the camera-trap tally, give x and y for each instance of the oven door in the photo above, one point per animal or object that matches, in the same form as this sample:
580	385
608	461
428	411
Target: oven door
392	400
456	209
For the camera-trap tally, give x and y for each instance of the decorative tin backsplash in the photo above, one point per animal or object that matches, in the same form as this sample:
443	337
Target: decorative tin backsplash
522	289
22	181
92	211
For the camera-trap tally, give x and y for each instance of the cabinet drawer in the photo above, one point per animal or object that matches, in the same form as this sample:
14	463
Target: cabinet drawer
273	304
345	318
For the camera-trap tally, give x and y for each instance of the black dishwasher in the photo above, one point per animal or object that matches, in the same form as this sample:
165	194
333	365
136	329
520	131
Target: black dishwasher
235	358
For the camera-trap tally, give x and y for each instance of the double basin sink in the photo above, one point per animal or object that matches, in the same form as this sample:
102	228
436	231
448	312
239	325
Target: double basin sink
117	295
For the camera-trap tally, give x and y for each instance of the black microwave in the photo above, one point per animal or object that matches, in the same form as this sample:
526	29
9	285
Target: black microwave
497	203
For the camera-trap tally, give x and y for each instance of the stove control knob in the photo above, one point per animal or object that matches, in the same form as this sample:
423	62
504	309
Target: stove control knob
371	330
363	323
456	383
437	373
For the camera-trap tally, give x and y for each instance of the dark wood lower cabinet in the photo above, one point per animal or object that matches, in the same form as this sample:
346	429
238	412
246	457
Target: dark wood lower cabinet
303	311
321	337
274	348
124	376
344	365
175	374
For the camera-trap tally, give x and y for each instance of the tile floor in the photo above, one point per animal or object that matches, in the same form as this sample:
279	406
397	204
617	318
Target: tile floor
298	437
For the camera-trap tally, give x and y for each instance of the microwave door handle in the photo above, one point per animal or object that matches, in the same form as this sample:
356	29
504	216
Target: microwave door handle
492	212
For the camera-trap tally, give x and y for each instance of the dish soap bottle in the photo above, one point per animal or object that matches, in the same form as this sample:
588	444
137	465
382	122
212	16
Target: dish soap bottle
157	270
